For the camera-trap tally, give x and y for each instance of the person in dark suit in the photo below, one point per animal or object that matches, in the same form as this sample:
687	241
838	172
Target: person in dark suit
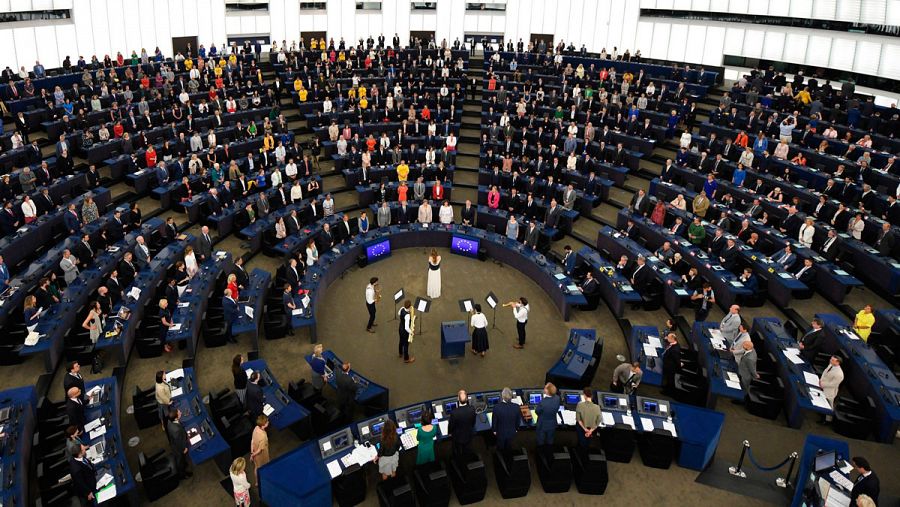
807	273
590	288
83	251
545	427
671	362
204	244
867	483
749	280
243	279
468	214
553	213
641	276
346	391
505	420
230	309
811	343
640	203
178	439
73	378
292	275
887	240
569	259
532	235
127	270
84	477
75	408
71	220
462	424
254	398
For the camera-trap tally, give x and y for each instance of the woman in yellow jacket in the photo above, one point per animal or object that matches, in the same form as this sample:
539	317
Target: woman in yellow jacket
302	93
803	96
313	44
298	84
268	141
865	319
402	171
361	91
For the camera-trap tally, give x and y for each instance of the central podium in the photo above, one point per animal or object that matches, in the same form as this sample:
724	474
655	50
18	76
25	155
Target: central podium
454	336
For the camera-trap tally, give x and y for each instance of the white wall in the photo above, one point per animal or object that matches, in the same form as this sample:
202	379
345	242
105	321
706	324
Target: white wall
876	12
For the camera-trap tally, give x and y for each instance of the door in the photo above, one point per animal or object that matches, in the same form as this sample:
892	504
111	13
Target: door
184	45
493	39
424	36
546	38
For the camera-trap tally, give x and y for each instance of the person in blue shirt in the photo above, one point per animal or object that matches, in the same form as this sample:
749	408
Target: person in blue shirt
569	260
710	187
546	410
682	157
739	175
761	145
4	275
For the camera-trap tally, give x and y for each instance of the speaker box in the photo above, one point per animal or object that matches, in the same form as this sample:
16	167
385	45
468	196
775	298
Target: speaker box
362	261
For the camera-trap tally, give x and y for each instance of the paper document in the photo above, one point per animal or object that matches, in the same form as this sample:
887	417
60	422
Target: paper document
811	379
268	409
818	399
423	305
177	392
175	374
568	417
517	400
104	480
490	418
467	304
647	423
194	440
106	493
297	311
444	426
717	334
649	350
670	427
175	327
249	312
607	419
97	433
627	419
732	384
841	480
334	468
91	426
654	342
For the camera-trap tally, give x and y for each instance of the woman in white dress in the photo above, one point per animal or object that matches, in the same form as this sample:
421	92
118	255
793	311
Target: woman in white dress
312	253
190	262
434	275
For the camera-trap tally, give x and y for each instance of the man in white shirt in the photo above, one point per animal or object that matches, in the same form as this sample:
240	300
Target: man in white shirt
520	310
831	380
371	299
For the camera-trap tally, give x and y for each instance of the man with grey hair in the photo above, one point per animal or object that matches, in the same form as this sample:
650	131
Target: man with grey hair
747	366
626	378
384	215
731	322
737	348
505	420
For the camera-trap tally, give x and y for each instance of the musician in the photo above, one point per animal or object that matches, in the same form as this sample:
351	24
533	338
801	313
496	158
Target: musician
520	311
406	330
373	295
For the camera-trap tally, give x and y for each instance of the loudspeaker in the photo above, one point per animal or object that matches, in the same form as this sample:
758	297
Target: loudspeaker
361	260
482	254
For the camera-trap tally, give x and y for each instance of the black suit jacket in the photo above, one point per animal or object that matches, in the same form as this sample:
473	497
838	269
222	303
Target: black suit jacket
253	400
505	420
870	486
70	381
84	478
177	436
469	215
75	411
346	390
672	360
462	425
812	343
642	278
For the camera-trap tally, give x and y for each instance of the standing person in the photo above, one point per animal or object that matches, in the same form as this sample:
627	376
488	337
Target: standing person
545	427
84	478
75	408
731	323
259	444
94	321
239	483
863	322
406	323
346	391
462	424
867	483
747	366
520	311
371	299
388	457
626	378
230	311
479	322
830	382
179	440
73	377
704	301
317	363
425	436
240	377
671	362
505	420
163	397
434	275
587	416
254	398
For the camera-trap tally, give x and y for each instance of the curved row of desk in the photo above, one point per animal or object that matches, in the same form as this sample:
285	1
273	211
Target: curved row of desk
303	476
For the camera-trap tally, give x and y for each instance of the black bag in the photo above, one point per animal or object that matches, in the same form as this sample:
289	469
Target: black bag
97	364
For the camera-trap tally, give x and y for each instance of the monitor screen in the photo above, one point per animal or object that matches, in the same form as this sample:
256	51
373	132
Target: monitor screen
450	406
414	416
493	400
611	401
651	406
534	398
376	428
378	251
573	399
340	441
464	246
825	462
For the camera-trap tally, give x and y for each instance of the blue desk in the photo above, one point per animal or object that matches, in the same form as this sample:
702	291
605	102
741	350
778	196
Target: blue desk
638	342
17	444
887	322
813	445
373	397
206	442
615	288
192	303
865	374
114	462
719	365
578	362
798	392
699	430
286	413
454	337
296	478
254	295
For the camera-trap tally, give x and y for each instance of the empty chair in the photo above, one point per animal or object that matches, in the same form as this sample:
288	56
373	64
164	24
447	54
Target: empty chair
350	487
432	485
618	442
325	418
854	419
589	470
657	448
304	393
554	468
690	389
159	475
764	403
468	477
224	403
512	472
237	430
146	410
395	492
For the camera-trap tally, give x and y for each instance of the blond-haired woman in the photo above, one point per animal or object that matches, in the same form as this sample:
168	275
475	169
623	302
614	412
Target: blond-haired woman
239	482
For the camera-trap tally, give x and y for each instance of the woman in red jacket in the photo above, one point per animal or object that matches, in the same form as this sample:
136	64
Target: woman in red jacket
233	286
494	198
437	191
150	156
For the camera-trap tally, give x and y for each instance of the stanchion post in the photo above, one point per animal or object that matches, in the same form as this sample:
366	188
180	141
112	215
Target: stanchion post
736	470
783	482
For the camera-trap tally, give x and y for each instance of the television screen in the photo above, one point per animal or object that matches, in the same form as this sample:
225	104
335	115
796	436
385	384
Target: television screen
376	429
610	401
414	416
450	407
378	250
464	246
651	406
573	399
534	399
493	400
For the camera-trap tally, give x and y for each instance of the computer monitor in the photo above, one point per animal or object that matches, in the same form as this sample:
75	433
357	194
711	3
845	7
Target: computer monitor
534	398
378	250
650	407
335	443
573	398
610	401
450	406
825	461
464	246
613	401
409	416
490	399
370	430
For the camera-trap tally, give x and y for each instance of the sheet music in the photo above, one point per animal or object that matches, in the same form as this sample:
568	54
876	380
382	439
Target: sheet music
654	342
467	304
422	306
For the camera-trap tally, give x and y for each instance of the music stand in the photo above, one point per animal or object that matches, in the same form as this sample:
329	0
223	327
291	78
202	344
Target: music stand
397	297
465	305
492	301
422	305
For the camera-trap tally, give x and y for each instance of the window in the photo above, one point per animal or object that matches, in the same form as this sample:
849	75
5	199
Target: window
493	6
313	6
247	6
423	6
42	15
369	6
784	21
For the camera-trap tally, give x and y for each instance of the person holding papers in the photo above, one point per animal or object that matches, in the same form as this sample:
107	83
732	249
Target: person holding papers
587	416
830	381
505	420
